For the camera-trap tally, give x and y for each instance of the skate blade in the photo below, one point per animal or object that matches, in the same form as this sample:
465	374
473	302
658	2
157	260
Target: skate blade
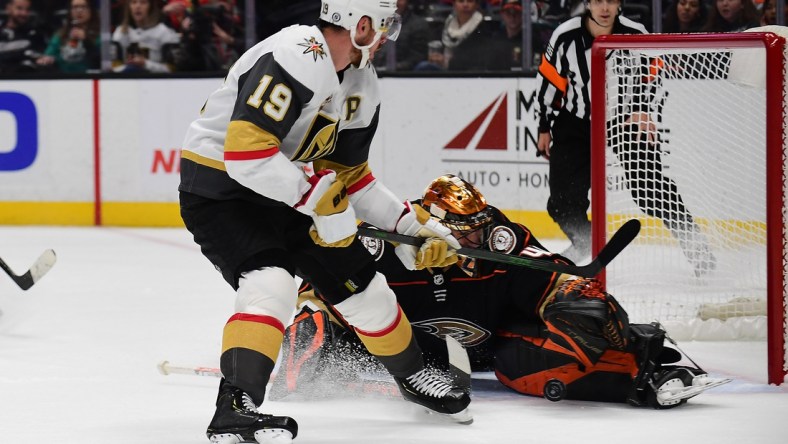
225	438
265	436
677	394
462	417
273	436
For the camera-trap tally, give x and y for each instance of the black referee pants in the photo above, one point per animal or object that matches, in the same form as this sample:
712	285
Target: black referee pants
570	178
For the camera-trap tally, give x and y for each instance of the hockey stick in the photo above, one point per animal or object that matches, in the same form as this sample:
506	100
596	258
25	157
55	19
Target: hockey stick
618	242
165	368
40	267
459	364
363	386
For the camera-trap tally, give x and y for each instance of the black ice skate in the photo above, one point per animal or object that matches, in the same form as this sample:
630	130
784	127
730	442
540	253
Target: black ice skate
236	420
429	389
674	385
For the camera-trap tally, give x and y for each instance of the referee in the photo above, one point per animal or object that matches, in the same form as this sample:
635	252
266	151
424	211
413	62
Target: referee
564	116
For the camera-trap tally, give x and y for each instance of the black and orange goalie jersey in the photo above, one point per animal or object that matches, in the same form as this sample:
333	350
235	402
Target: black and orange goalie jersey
471	308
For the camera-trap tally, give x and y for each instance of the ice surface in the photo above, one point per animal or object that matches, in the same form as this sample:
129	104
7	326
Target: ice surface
78	356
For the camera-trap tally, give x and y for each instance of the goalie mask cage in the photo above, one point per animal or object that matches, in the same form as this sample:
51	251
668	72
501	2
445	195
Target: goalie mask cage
688	136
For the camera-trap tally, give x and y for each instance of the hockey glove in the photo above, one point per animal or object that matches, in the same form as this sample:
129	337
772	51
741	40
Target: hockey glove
439	248
327	203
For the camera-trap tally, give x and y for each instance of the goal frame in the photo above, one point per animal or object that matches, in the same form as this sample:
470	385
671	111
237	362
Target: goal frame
775	200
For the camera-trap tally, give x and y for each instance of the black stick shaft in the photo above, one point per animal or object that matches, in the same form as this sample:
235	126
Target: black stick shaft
617	243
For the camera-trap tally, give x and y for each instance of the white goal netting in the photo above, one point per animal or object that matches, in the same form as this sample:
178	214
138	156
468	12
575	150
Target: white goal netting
687	138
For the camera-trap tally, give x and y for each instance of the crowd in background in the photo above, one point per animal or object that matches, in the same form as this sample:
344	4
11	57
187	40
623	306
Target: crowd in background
162	36
149	36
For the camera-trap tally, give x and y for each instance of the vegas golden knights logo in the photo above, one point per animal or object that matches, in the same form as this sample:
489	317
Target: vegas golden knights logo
319	141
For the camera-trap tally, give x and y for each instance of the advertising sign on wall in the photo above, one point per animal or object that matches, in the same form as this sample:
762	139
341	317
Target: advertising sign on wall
483	130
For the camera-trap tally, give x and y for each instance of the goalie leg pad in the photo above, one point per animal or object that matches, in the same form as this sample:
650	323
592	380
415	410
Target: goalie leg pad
305	352
523	364
586	320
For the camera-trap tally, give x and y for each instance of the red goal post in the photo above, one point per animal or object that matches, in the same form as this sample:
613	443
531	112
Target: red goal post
689	136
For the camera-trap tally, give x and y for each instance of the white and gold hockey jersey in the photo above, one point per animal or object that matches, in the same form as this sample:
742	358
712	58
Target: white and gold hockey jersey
282	105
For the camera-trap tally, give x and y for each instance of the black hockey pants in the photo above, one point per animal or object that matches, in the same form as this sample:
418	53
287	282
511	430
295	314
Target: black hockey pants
570	177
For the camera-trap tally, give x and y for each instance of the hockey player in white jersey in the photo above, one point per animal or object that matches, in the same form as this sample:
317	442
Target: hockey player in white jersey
305	94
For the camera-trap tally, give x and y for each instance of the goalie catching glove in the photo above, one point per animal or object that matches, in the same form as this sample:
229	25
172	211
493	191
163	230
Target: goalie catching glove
439	248
327	203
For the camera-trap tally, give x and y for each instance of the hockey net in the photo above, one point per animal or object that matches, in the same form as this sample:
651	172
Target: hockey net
689	137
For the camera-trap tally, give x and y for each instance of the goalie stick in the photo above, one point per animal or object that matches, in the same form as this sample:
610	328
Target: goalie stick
459	363
39	268
617	243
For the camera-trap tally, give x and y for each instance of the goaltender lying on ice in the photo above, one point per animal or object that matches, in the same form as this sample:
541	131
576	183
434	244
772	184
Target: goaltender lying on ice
541	329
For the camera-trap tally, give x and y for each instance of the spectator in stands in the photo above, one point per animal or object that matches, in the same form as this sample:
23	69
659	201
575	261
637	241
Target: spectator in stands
410	47
685	16
510	37
557	10
20	36
175	11
769	13
50	14
273	15
212	37
76	47
142	35
467	40
435	58
732	16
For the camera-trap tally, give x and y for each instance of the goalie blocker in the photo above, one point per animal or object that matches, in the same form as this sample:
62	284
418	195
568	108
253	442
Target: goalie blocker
588	350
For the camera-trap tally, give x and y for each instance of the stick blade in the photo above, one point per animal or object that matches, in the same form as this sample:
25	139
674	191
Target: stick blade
39	268
619	241
459	364
42	265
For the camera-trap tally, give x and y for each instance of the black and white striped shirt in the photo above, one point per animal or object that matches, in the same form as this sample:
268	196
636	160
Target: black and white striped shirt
564	71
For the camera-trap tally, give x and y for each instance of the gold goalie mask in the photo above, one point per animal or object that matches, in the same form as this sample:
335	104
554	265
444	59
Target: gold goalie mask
459	206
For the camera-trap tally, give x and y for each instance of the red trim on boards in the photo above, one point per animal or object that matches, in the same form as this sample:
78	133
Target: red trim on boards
96	155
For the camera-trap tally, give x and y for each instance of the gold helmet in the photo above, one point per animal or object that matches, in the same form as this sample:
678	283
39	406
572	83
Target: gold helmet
458	204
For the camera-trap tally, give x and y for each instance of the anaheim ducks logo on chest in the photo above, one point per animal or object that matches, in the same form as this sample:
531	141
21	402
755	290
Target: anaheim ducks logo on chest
464	331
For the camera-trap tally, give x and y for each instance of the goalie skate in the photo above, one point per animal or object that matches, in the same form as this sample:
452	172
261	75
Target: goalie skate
676	385
700	383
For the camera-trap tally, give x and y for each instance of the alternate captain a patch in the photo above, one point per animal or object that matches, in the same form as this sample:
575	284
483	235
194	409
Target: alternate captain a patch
502	239
314	47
